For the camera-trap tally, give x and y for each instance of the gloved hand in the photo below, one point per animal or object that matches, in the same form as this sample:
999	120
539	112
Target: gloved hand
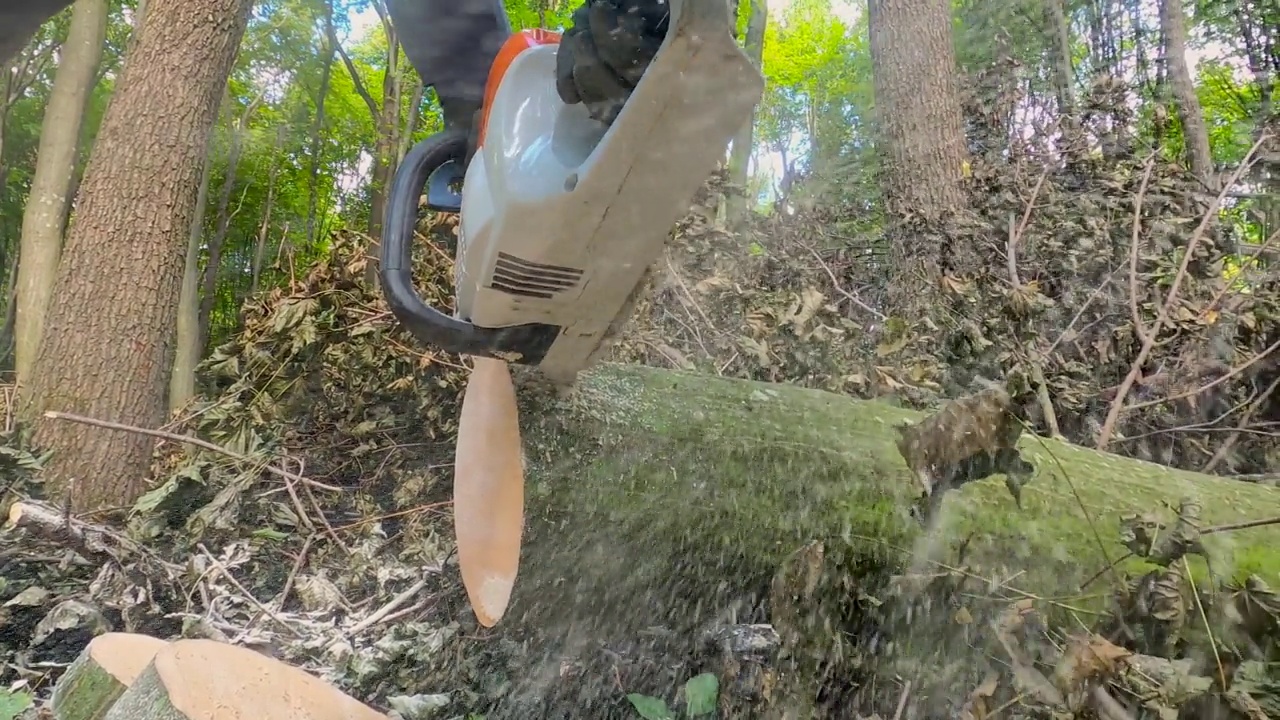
606	50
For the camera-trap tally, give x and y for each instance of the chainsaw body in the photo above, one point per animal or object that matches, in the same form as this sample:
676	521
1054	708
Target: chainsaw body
561	215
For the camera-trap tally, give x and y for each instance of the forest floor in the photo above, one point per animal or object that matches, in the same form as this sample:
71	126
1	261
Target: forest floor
314	526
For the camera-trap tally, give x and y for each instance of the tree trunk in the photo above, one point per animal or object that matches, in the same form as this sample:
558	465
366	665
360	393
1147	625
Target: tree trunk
186	356
384	162
260	247
1195	135
47	205
411	122
921	140
317	123
213	261
109	334
740	156
1060	44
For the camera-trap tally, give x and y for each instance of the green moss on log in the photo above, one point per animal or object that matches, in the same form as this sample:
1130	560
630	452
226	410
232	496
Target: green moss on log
665	470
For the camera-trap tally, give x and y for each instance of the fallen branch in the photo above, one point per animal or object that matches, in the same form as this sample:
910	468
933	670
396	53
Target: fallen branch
95	542
176	437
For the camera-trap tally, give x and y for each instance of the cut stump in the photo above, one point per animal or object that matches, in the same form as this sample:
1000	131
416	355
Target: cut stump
105	669
208	680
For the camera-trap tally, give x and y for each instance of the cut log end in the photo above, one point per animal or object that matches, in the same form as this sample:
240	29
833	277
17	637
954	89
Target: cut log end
107	667
204	679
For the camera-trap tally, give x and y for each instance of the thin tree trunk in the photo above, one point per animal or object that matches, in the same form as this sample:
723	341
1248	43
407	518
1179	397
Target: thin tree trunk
109	334
46	209
384	168
10	313
1194	133
260	248
213	262
740	156
317	123
1060	44
387	120
186	356
410	123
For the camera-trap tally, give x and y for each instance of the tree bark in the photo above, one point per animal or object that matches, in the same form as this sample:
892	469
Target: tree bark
317	123
1060	42
186	356
1195	136
260	247
213	262
921	142
384	162
109	334
743	143
49	200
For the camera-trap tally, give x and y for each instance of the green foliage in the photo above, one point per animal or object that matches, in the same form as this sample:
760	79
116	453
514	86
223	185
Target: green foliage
700	695
12	704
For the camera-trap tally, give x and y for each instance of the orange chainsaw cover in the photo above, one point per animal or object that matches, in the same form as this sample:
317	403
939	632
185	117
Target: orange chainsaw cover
510	50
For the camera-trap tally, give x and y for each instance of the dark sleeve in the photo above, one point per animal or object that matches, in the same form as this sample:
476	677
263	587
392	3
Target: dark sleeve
19	20
451	44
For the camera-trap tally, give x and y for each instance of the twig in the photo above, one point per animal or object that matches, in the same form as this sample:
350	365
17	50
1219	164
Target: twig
108	425
902	700
1117	405
94	542
1245	418
248	595
1257	358
1204	617
293	572
378	615
1109	565
1107	706
1015	236
836	284
1245	525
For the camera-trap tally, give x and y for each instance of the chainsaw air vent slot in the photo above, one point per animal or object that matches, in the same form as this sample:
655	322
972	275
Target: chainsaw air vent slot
517	276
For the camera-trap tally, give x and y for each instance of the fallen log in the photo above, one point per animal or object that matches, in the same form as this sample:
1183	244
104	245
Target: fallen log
108	665
668	499
194	679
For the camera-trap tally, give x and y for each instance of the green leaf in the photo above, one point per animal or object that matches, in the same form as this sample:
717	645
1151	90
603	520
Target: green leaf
700	694
13	703
650	708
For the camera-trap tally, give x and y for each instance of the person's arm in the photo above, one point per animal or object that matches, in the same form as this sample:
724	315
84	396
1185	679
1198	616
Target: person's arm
452	44
19	21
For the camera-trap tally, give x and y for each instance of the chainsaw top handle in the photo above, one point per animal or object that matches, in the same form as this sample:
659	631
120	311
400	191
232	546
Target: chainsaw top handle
438	160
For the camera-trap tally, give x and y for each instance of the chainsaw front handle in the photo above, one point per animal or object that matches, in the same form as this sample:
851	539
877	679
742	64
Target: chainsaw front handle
443	152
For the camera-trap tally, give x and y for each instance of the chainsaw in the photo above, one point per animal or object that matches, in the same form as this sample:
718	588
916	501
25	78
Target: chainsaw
560	217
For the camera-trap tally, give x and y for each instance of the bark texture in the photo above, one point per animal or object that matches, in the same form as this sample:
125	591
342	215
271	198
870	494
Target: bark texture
922	145
744	141
109	334
1195	136
917	104
50	196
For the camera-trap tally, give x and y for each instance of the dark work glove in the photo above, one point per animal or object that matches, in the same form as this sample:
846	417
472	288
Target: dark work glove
606	50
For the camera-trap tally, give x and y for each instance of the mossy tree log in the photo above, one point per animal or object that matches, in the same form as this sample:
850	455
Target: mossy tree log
660	498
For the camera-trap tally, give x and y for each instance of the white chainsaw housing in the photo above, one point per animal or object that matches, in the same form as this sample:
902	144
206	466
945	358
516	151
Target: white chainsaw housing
561	216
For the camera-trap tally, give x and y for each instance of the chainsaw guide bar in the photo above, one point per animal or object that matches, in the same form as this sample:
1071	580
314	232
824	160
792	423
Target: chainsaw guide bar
561	218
